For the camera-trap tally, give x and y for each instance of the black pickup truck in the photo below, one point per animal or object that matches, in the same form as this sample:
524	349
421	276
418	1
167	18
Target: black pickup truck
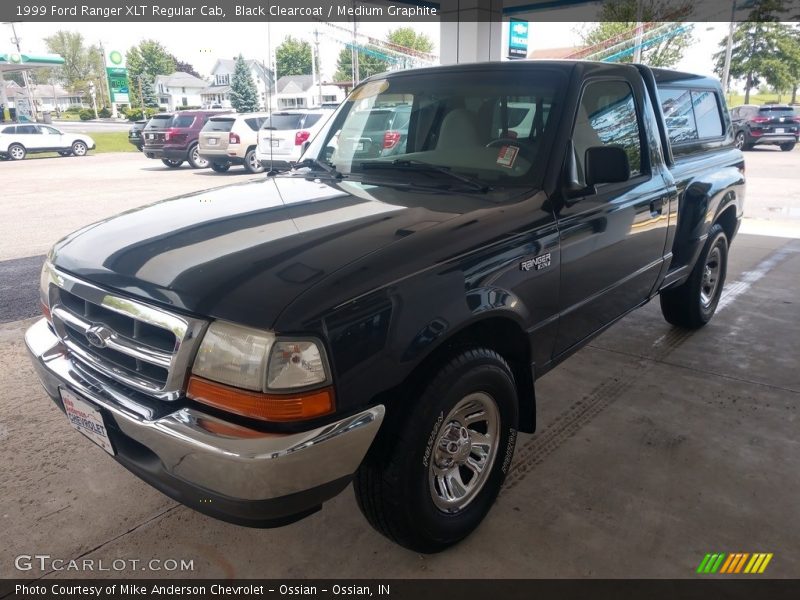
251	350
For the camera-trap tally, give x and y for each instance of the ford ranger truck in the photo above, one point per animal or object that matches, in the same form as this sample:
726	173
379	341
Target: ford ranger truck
252	350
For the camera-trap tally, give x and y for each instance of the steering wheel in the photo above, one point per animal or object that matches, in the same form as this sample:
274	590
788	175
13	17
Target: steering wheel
522	149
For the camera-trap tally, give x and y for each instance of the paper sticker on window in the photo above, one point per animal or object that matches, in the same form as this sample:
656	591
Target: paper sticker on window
507	156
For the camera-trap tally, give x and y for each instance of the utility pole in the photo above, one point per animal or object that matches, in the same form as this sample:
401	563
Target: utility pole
726	71
637	40
354	49
313	69
15	40
104	87
318	66
141	97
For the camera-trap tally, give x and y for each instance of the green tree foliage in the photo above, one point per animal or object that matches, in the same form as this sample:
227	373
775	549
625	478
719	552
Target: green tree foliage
145	61
408	37
293	57
620	17
370	62
83	65
184	67
244	94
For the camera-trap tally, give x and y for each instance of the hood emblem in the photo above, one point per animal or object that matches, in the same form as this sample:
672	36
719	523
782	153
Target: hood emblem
98	335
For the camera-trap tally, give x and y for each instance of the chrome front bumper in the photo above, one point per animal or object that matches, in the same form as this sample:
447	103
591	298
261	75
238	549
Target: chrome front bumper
217	467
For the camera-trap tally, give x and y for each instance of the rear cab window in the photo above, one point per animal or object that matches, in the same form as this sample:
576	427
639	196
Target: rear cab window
692	116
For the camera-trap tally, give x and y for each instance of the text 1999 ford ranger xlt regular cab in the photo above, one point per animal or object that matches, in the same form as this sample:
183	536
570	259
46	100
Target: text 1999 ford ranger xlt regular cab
250	351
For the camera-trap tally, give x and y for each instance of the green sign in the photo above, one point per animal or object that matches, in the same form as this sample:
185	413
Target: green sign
118	84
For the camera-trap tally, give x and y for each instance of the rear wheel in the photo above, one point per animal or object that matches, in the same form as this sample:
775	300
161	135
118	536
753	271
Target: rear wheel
788	147
438	464
740	141
16	151
220	167
172	164
693	303
195	159
79	148
251	163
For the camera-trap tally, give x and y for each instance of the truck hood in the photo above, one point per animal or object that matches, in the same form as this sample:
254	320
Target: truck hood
244	252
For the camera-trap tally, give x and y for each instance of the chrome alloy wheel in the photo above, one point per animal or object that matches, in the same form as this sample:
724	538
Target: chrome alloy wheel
711	272
202	163
464	452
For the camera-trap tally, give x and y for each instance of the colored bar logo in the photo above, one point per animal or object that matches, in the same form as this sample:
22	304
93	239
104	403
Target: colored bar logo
733	563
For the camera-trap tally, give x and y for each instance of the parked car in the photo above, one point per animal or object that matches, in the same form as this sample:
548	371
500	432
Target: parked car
17	141
382	133
771	124
283	135
251	350
231	139
176	141
135	134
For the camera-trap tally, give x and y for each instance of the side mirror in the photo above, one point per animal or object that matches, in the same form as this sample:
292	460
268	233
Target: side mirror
606	164
304	147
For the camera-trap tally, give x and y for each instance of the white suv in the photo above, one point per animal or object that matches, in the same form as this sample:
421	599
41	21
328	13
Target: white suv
231	139
282	137
16	141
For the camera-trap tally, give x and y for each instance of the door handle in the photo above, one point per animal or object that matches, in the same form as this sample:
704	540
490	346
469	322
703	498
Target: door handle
656	206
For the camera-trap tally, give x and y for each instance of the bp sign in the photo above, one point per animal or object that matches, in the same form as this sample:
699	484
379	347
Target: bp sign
517	39
117	77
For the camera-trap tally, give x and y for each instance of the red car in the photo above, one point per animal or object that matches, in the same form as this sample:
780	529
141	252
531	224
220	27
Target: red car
174	138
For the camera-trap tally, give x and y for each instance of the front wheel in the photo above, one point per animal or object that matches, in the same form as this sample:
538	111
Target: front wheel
693	303
438	465
788	147
17	151
79	148
195	159
172	164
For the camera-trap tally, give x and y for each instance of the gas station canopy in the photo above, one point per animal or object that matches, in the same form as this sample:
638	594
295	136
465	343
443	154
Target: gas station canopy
13	61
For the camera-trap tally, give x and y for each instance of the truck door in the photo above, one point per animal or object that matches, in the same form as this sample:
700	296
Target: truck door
612	235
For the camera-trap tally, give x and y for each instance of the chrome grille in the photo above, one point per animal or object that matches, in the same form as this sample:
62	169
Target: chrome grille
139	345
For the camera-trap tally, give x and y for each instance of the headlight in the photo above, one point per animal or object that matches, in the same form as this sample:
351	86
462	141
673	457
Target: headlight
248	372
234	355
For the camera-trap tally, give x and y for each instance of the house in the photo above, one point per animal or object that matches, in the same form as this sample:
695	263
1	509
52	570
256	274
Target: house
222	74
300	91
47	97
179	89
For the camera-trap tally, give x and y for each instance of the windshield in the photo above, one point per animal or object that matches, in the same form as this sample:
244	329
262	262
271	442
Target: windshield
183	121
216	124
780	111
487	125
283	122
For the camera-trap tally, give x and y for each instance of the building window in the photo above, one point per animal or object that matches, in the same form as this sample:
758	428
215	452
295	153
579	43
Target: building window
223	79
160	88
329	98
183	90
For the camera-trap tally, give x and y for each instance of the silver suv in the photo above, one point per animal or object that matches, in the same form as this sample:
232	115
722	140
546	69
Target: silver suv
231	139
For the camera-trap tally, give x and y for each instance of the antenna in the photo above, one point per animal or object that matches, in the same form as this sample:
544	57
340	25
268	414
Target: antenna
269	97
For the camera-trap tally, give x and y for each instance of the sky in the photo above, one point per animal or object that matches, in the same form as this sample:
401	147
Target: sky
202	43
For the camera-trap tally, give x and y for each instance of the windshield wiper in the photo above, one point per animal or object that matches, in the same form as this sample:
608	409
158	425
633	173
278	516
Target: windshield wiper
413	165
312	163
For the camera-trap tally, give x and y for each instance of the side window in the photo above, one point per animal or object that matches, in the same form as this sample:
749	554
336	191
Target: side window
11	129
607	117
678	115
27	129
706	113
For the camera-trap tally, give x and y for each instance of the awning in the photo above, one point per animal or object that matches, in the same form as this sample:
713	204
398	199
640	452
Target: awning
13	61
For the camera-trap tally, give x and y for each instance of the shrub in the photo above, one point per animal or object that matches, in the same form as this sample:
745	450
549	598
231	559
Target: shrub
73	108
86	114
104	113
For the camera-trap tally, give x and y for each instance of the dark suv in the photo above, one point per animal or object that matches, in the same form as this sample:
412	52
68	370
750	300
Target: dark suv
174	138
771	124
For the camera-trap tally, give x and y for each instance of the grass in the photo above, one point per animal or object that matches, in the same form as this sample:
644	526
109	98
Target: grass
738	99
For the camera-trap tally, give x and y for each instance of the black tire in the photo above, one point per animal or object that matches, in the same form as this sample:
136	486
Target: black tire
172	164
17	152
788	147
65	152
220	167
251	164
194	158
692	304
396	486
740	141
79	148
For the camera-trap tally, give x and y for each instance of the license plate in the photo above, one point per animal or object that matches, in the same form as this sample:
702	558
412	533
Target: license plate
276	143
212	141
360	147
86	419
151	136
780	130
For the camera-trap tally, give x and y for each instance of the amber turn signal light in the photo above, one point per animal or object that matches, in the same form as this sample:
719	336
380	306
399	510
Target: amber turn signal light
266	407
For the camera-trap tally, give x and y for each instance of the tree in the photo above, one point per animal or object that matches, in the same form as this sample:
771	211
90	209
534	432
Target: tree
783	70
370	62
293	57
83	65
147	60
184	67
244	95
620	17
408	37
